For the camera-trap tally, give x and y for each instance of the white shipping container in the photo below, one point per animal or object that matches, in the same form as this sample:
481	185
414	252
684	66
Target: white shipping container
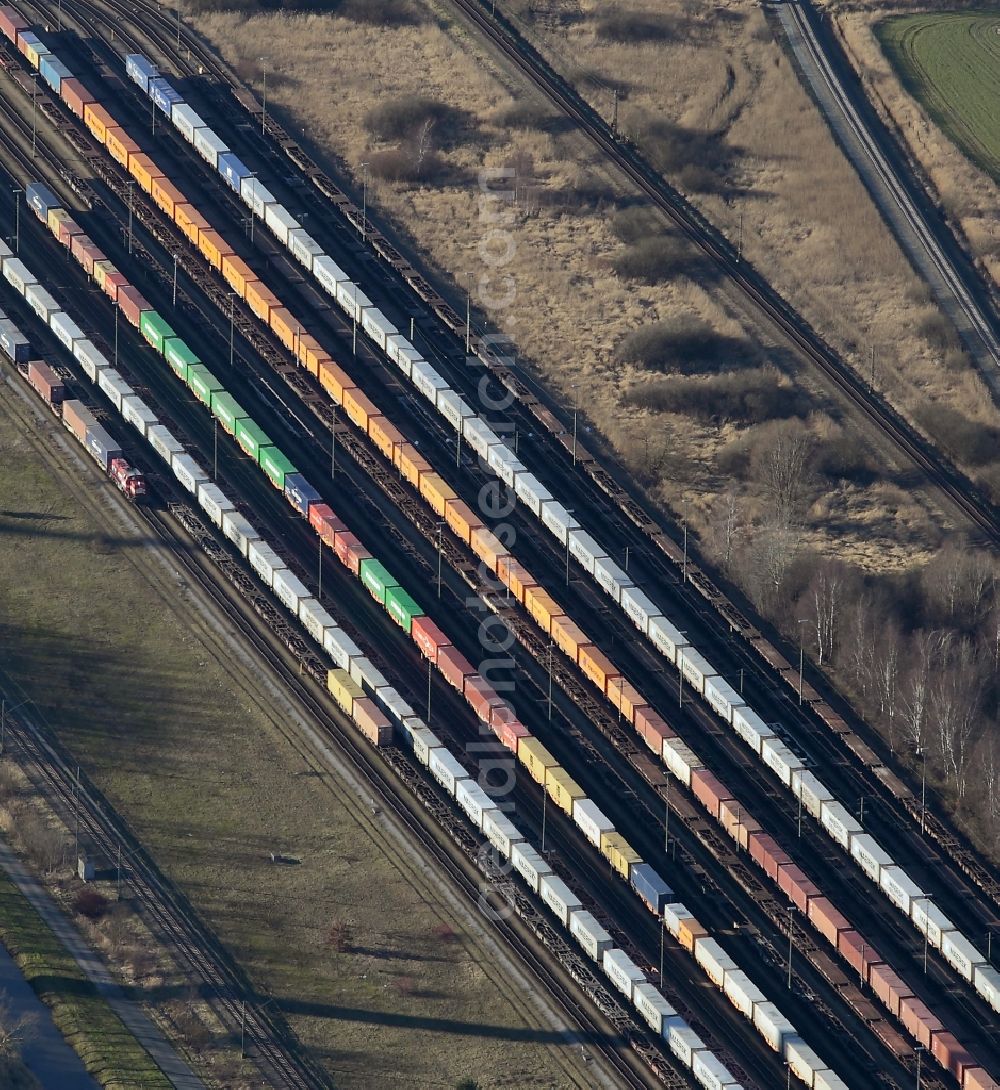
839	822
477	433
18	275
501	832
639	607
870	856
723	697
622	971
714	960
558	520
584	550
290	590
751	728
341	648
114	386
652	1007
899	887
929	920
680	759
214	502
315	619
987	982
136	412
425	742
305	249
529	864
531	492
591	821
377	326
352	299
365	673
960	954
450	405
5	250
473	800
92	361
803	1060
695	668
828	1080
256	197
773	1026
185	120
684	1043
711	1072
160	439
264	560
65	329
188	472
328	273
780	759
505	464
558	897
810	791
280	221
742	992
239	531
41	301
446	769
405	355
583	926
673	915
209	146
611	578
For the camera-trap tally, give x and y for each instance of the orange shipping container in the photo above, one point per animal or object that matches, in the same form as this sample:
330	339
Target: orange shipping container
190	221
626	698
285	326
689	931
359	408
98	120
261	299
144	170
486	545
335	380
385	435
214	247
120	144
309	352
237	273
598	667
568	635
411	463
542	606
461	518
436	491
166	195
516	576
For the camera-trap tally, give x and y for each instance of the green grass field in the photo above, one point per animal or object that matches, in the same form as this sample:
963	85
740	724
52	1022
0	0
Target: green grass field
950	62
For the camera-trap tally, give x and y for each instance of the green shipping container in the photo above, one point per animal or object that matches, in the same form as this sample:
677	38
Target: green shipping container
203	383
180	357
252	438
155	329
376	578
401	608
227	411
276	465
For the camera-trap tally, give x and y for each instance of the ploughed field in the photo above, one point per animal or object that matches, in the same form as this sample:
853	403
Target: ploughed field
950	62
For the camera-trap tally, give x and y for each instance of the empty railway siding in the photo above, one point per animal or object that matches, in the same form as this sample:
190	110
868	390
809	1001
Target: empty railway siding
632	535
847	795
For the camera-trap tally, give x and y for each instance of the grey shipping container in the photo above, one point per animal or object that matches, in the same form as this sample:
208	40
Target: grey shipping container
101	447
14	342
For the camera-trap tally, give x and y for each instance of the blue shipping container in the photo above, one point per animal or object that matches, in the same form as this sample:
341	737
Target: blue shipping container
233	170
53	71
101	447
41	199
163	95
300	493
140	70
650	887
14	342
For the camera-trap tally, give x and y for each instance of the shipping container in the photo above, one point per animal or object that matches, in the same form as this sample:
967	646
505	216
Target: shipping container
190	221
639	607
132	303
695	668
86	252
155	330
713	959
591	821
780	759
238	274
12	23
214	502
529	864
276	465
213	247
870	856
653	729
532	754
918	1019
709	790
101	446
589	934
280	221
568	636
531	492
402	608
461	519
618	852
839	822
76	96
32	47
120	145
558	897
473	800
261	300
454	667
828	920
766	853
652	1007
136	412
742	992
797	886
377	579
650	887
48	384
298	491
373	321
558	520
450	405
189	473
233	169
889	987
114	386
609	576
899	887
446	769
508	729
598	668
340	647
165	97
14	343
256	196
41	199
544	609
859	954
722	697
961	954
563	789
773	1026
41	302
239	531
622	971
325	269
343	689
209	146
18	275
78	418
501	832
584	550
140	70
203	384
684	1042
372	722
227	410
428	637
680	759
166	446
711	1073
53	71
803	1061
437	492
315	619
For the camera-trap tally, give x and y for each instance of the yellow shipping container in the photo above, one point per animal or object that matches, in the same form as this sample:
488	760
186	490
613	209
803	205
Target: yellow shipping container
56	218
344	689
619	853
144	170
261	299
101	270
190	221
214	247
542	606
359	408
461	519
535	758
562	788
568	636
625	697
436	491
487	546
411	463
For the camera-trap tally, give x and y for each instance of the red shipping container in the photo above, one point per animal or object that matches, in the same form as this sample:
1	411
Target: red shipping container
709	790
652	728
11	22
132	303
355	554
918	1020
796	886
66	230
428	637
978	1078
888	986
113	282
510	732
75	95
325	522
737	821
951	1054
454	666
764	851
77	417
87	252
860	955
342	543
828	920
46	382
372	722
481	696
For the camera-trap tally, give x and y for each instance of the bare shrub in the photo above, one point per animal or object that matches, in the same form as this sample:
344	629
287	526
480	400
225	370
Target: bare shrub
525	115
635	26
45	844
700	155
90	903
938	331
653	260
681	344
966	440
739	396
400	118
635	223
381	13
782	455
339	936
16	1029
445	933
844	458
